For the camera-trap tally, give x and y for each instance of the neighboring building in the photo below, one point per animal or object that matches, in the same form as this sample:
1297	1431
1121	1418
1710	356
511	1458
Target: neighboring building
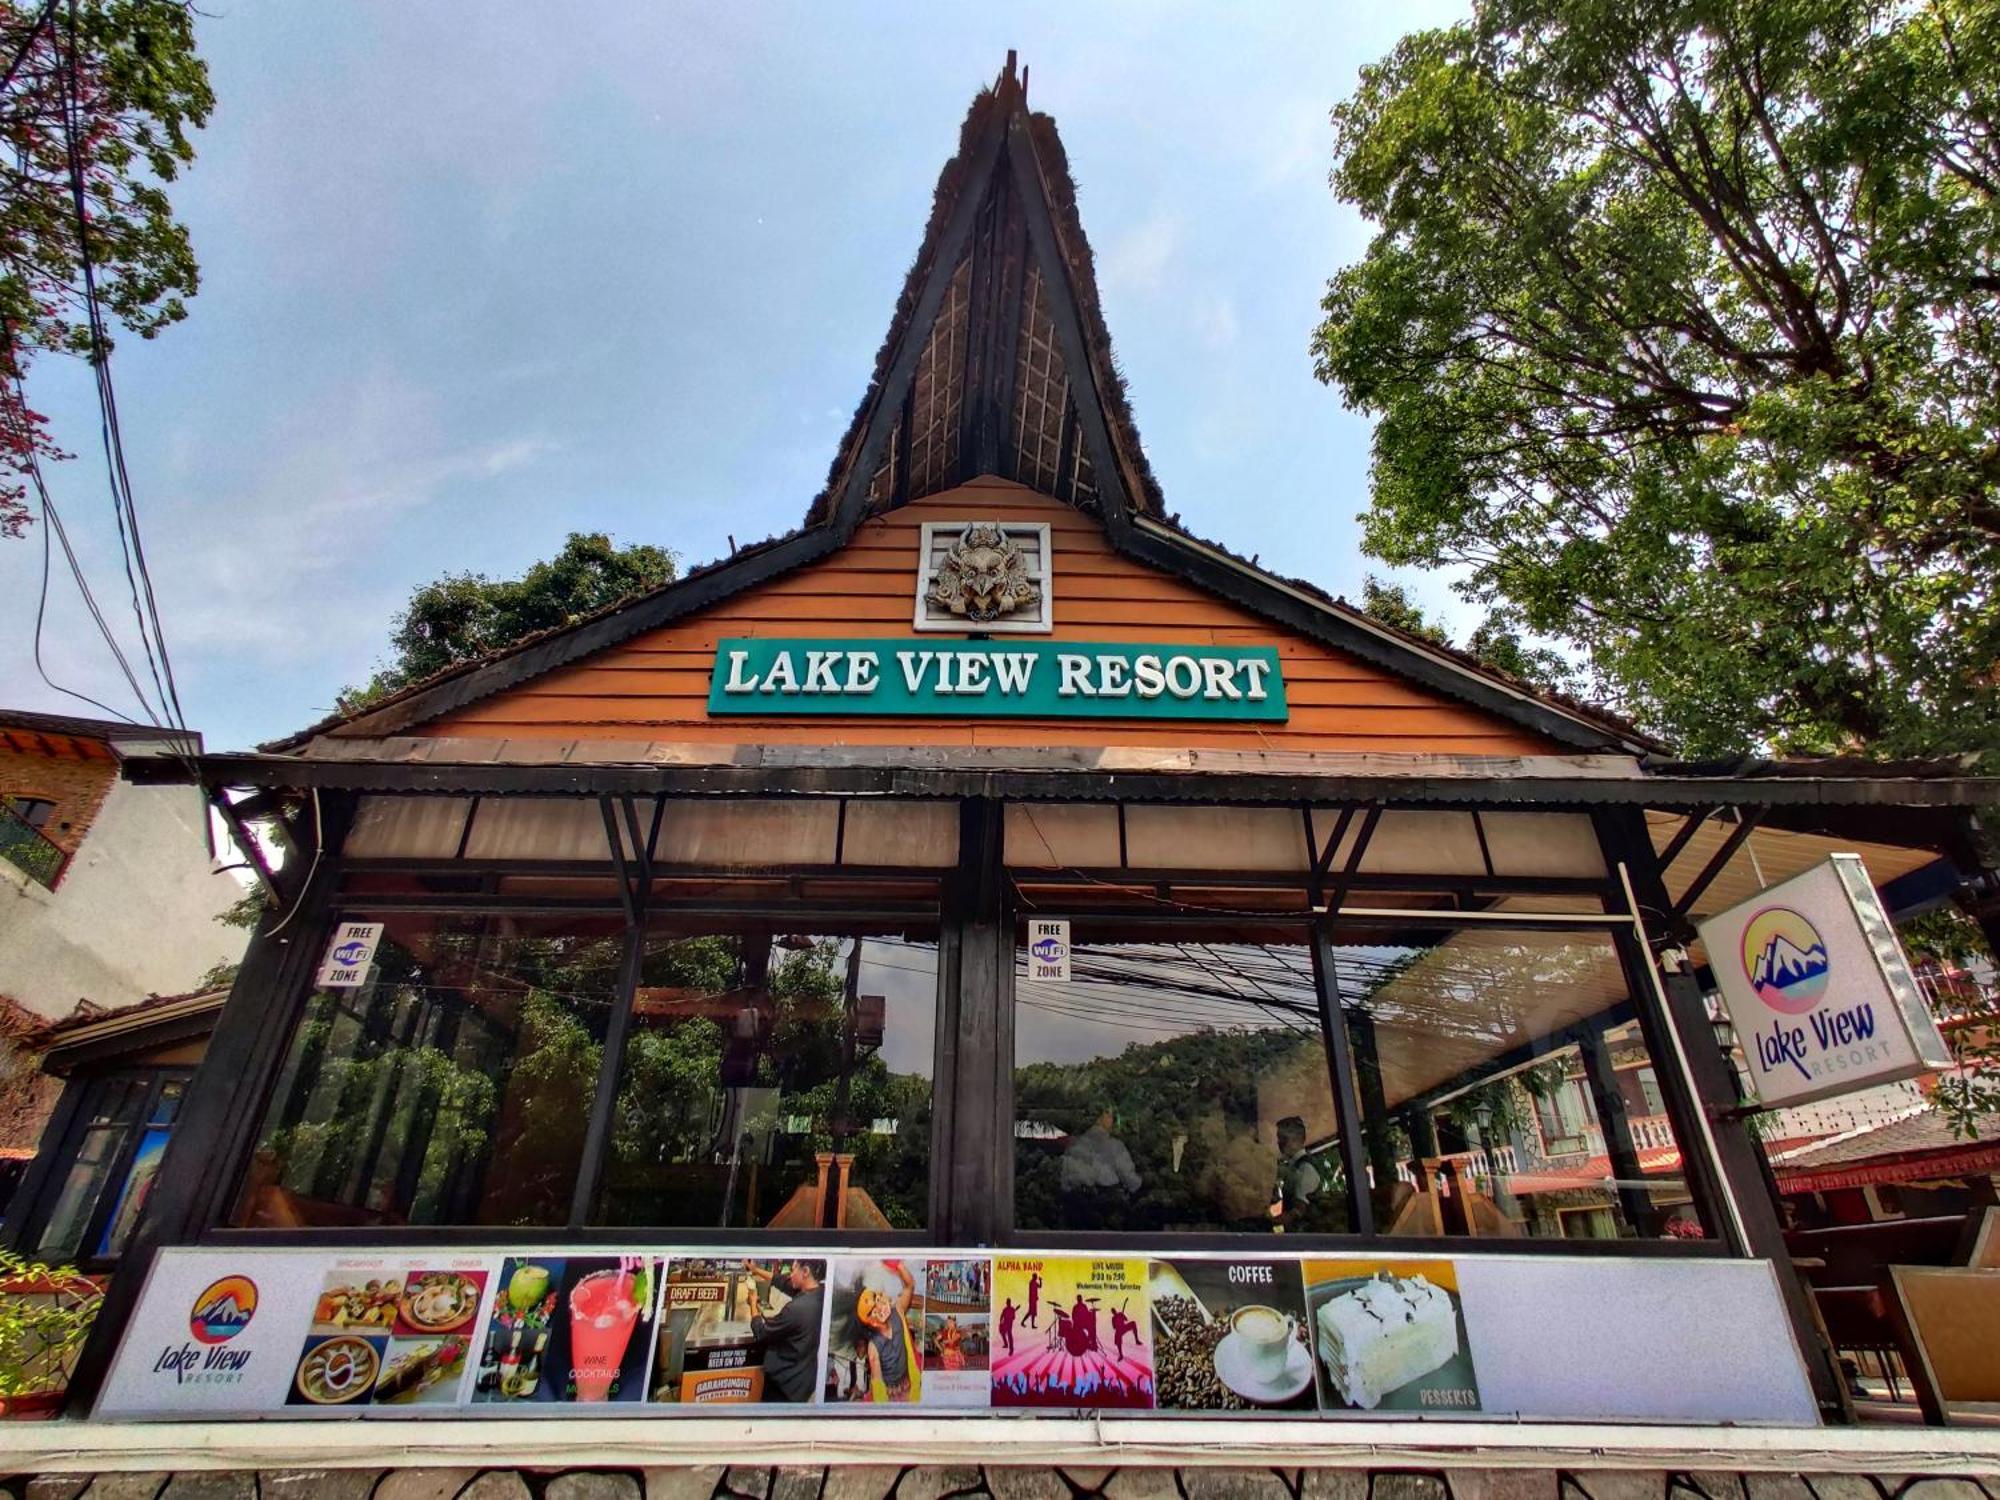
109	1087
109	892
1914	1167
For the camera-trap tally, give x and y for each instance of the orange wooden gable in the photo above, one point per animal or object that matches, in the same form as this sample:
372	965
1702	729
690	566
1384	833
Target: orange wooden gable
655	685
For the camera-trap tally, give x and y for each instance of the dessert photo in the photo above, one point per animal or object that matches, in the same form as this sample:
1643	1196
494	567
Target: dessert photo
1230	1335
1390	1336
421	1372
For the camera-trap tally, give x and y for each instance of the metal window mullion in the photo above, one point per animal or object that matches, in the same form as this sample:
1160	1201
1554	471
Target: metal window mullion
596	1135
1346	1095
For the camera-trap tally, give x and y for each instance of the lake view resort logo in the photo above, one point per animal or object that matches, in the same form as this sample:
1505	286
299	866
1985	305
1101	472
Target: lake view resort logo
1785	960
223	1310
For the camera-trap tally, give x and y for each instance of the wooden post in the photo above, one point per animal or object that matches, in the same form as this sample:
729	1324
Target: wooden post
1634	1201
976	964
1683	1026
225	1100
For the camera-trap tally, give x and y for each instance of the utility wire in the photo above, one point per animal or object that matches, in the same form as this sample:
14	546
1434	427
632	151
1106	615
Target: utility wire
27	43
52	523
138	577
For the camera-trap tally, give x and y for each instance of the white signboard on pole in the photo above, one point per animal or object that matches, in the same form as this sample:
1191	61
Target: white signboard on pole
1818	989
1048	951
349	956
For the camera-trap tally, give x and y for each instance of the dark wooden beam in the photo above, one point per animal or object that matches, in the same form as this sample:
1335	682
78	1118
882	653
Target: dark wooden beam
1690	826
1088	401
201	1167
1731	1182
1746	824
850	504
1347	1095
859	778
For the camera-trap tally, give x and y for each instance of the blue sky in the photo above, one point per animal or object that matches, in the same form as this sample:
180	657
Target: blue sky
478	276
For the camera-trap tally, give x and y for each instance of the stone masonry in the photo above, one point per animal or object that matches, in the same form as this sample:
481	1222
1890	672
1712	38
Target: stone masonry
992	1483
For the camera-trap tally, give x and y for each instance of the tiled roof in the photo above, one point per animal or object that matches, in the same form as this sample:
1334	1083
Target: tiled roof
1925	1129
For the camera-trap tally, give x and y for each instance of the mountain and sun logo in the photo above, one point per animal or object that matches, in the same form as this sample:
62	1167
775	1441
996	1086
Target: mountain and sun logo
223	1310
1785	959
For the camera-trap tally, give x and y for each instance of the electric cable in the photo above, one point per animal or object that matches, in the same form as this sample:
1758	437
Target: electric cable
27	44
52	523
138	576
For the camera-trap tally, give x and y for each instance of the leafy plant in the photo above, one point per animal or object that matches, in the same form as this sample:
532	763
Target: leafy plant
45	1315
127	71
1680	329
465	615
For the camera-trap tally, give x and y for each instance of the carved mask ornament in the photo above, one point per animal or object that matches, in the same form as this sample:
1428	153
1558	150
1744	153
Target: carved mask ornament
983	576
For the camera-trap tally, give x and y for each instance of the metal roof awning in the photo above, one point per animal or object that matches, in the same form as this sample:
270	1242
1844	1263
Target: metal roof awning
1204	776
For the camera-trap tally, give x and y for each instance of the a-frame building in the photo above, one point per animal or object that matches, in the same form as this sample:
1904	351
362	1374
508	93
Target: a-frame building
994	397
1331	891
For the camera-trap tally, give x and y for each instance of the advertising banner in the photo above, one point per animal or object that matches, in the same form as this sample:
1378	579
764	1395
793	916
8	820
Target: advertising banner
406	1333
734	1329
1818	989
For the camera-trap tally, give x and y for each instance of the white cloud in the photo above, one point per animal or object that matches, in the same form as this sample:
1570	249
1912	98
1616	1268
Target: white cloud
1138	259
1215	321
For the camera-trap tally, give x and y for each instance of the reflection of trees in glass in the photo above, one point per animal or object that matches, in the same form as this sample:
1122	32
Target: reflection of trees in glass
1187	1110
445	1092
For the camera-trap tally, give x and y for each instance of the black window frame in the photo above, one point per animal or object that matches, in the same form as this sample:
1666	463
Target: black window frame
578	1229
976	909
74	1116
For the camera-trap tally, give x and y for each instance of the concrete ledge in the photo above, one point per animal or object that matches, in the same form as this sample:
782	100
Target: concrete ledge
674	1440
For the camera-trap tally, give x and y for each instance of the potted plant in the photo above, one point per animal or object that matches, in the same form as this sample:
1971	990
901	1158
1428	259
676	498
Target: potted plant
45	1314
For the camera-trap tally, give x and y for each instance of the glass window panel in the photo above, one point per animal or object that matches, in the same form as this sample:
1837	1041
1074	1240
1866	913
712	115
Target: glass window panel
1506	1090
113	1112
775	1080
453	1088
1175	1085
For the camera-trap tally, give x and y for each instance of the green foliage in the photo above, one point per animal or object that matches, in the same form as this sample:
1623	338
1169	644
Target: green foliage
1680	325
1498	640
140	90
45	1315
1198	1090
465	615
1502	1110
1943	935
246	911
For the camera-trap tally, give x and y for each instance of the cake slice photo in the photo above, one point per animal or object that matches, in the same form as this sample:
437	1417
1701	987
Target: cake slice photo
1390	1336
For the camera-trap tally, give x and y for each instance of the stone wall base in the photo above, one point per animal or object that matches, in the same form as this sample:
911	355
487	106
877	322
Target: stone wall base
991	1483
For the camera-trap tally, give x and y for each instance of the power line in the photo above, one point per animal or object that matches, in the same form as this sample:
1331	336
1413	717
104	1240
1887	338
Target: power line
138	577
28	42
52	523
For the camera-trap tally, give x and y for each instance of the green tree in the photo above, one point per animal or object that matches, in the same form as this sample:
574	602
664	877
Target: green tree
120	82
1680	325
1499	640
465	615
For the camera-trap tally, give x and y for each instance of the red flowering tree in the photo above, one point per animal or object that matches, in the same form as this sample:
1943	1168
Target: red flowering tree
96	104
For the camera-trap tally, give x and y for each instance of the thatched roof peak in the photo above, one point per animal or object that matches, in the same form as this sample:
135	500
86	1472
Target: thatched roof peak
997	359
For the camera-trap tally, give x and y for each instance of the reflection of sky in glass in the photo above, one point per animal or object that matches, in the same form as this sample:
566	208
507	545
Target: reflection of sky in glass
905	975
1139	993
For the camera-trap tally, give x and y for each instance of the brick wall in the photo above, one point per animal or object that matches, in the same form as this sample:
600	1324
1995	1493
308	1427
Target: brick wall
75	785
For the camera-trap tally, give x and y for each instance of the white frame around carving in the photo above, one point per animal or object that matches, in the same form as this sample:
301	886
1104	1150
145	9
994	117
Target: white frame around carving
956	626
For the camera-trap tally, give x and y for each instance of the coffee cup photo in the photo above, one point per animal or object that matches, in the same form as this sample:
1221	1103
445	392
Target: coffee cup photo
1267	1336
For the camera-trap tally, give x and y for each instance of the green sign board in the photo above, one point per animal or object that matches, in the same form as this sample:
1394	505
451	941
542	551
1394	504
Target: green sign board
1001	679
